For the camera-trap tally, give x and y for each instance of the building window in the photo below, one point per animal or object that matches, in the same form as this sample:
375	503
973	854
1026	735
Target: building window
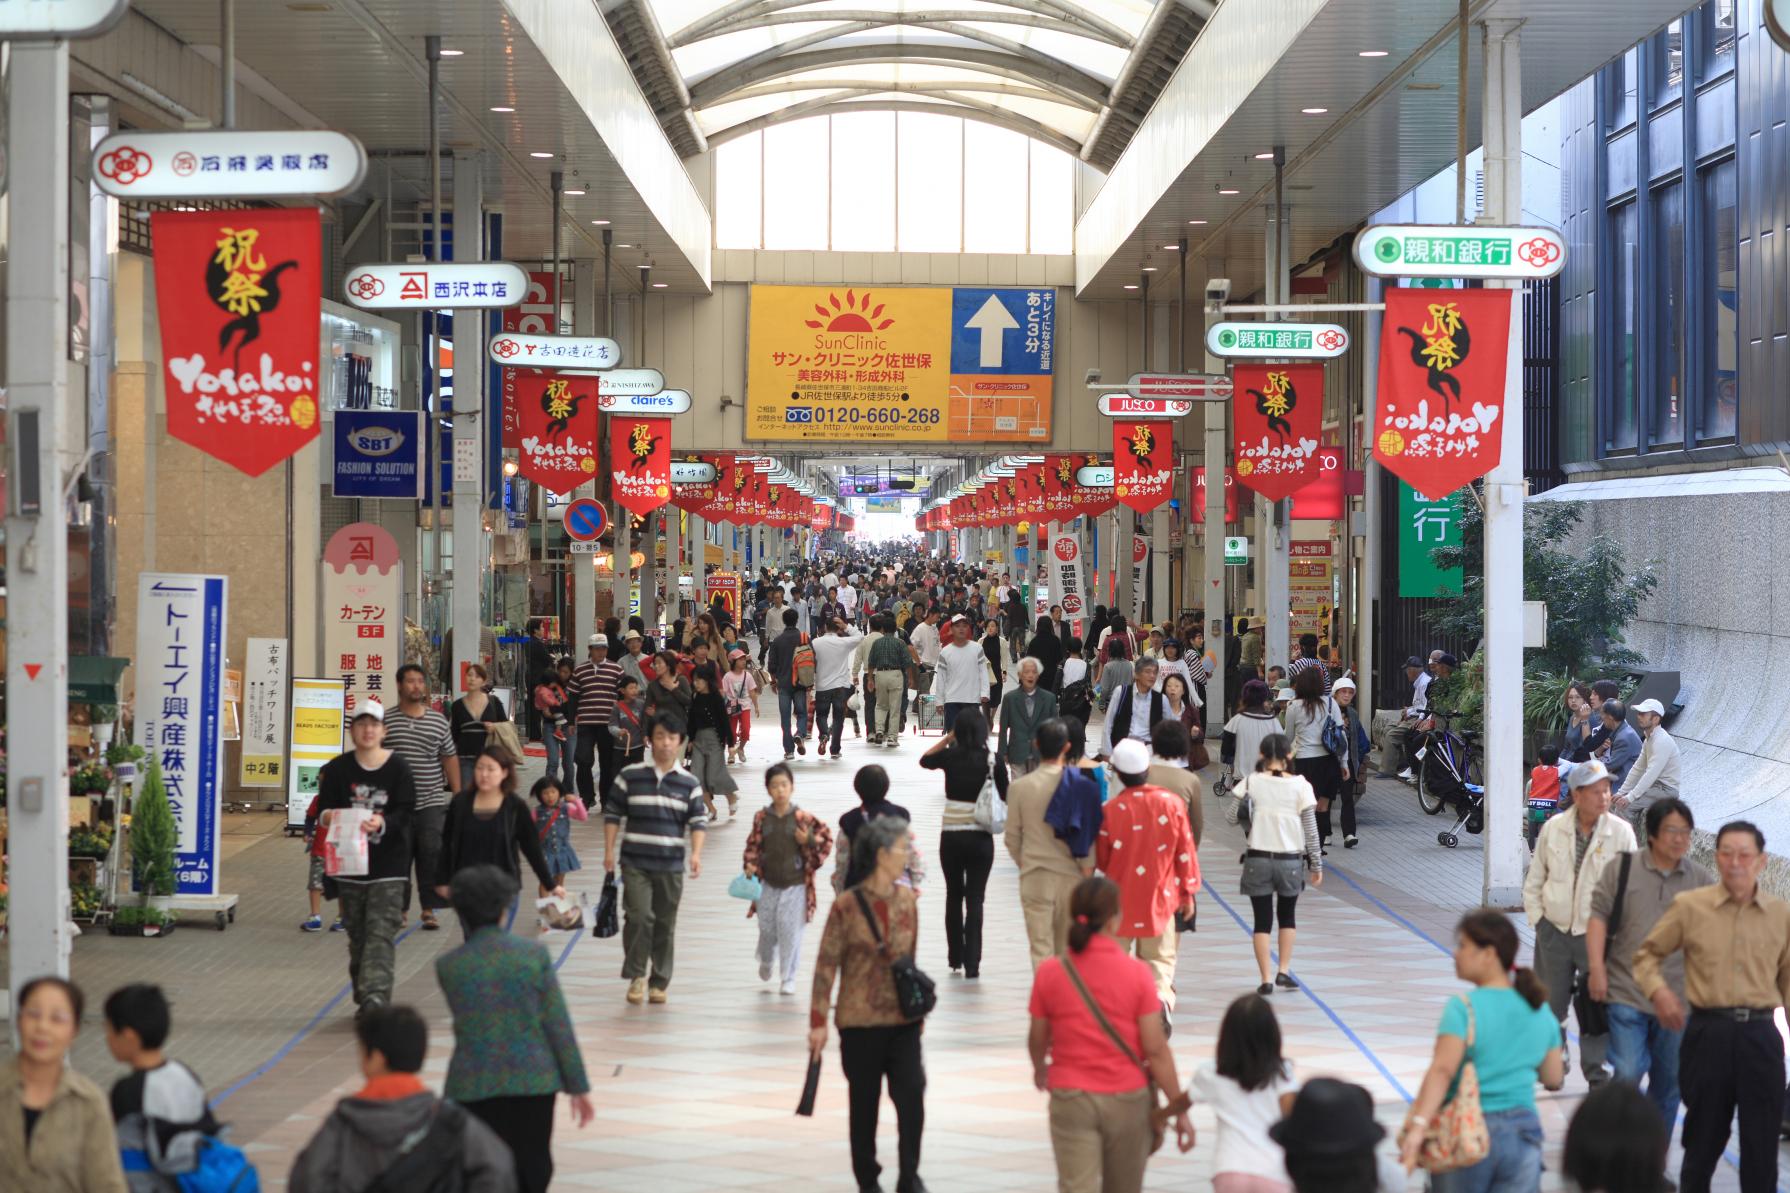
1719	283
930	153
1715	38
864	182
1668	257
739	167
794	155
1619	91
1666	76
1624	259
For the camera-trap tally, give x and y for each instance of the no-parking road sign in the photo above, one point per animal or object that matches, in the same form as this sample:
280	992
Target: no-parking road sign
585	520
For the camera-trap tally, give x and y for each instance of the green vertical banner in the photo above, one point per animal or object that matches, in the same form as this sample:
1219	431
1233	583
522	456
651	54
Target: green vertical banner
1425	523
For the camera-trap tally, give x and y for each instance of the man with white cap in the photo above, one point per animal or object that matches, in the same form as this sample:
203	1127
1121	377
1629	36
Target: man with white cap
1655	774
1146	847
373	780
593	687
1571	852
962	673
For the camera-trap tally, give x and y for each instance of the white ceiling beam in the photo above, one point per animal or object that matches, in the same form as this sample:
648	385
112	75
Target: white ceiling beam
723	84
853	101
1030	19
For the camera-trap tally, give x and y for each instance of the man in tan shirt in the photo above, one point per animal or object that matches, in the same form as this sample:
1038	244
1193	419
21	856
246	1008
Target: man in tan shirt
1736	944
1048	872
1168	769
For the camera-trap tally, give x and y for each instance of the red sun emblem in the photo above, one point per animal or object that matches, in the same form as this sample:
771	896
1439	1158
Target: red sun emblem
1331	340
125	165
1540	252
854	314
365	286
505	348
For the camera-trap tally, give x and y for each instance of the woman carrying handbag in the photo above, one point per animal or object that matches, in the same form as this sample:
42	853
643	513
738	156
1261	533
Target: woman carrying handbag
1474	1127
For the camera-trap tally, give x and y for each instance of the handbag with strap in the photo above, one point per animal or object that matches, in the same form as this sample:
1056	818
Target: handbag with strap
1158	1120
1594	1016
990	812
915	993
1457	1137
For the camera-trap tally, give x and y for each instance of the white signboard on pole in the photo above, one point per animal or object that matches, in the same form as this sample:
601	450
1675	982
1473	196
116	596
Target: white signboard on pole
318	709
662	402
264	715
1277	341
1065	577
1194	386
1125	406
522	351
1459	251
181	630
363	612
227	163
60	19
428	286
638	383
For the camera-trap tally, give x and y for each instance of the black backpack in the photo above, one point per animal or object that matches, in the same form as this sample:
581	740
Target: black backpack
1074	701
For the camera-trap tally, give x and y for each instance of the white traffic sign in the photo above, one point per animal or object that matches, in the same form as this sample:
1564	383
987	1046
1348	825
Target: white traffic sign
521	351
1095	476
227	163
1126	406
425	286
993	321
665	402
23	19
700	472
1197	386
574	547
1236	552
634	382
1457	251
1277	341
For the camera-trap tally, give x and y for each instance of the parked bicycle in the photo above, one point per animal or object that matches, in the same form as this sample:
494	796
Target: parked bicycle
1451	774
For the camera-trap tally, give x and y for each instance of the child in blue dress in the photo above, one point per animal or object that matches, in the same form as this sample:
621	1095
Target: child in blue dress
553	821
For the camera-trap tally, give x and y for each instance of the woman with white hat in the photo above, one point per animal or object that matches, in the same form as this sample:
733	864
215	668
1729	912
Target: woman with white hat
1343	692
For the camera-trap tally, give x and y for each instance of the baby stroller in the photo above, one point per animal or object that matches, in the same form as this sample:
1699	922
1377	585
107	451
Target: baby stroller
1449	775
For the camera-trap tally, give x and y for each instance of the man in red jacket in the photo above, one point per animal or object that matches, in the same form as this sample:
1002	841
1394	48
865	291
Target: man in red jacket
1146	847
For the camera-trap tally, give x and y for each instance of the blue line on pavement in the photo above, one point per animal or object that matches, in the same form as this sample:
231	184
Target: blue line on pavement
1332	868
1324	1007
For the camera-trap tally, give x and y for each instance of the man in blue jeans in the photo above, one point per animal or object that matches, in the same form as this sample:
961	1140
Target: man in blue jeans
791	697
1640	1045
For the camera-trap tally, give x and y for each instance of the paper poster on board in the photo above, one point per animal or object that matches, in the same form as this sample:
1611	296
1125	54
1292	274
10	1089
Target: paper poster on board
318	707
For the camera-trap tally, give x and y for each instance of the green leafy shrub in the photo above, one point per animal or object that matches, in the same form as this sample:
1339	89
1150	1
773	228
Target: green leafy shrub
136	917
89	842
153	836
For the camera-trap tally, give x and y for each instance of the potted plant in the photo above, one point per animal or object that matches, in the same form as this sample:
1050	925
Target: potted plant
152	838
141	921
93	778
123	757
87	849
84	901
105	723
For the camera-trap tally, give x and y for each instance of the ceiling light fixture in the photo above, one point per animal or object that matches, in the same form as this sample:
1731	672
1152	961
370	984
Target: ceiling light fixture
1265	157
571	192
1146	269
1171	248
601	223
1196	222
1314	111
1130	286
624	246
660	285
1227	190
1373	53
451	53
502	108
540	153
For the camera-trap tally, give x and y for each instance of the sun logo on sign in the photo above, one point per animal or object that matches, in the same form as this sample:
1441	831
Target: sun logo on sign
854	314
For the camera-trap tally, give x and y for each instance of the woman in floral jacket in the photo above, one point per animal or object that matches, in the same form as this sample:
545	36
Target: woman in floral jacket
784	851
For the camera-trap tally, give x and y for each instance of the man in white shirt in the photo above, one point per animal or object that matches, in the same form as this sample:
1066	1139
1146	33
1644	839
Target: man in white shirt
1655	774
1134	710
962	672
848	599
832	681
924	638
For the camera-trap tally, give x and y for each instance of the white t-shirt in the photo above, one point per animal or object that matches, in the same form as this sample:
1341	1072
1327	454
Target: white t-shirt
962	674
848	597
1243	1121
1279	803
1074	669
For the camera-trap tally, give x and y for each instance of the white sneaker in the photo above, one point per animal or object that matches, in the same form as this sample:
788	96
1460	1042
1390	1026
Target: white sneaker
764	971
789	986
1407	776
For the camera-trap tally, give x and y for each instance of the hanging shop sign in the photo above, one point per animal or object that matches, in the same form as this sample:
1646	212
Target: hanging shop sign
666	402
692	472
630	382
694	483
1424	524
1277	341
1198	502
520	350
59	19
227	163
556	430
1094	476
264	715
1125	406
1193	386
584	520
1066	578
378	454
640	463
363	612
1443	356
1277	415
727	586
1310	594
1459	251
424	286
1143	463
1236	551
900	364
240	301
182	626
534	316
319	714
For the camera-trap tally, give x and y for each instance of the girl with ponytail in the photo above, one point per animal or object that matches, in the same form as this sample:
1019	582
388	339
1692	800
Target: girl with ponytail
1504	1029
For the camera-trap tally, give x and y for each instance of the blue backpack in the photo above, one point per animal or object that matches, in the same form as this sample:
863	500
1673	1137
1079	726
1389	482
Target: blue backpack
222	1168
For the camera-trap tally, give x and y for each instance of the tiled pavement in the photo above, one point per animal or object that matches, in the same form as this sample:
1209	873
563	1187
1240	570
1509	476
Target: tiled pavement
698	1094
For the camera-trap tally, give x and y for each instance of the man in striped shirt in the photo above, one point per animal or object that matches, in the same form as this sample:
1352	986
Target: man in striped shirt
421	737
660	802
593	687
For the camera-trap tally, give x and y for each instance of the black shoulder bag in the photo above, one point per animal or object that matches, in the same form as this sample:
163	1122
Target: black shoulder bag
428	1161
915	993
1593	1016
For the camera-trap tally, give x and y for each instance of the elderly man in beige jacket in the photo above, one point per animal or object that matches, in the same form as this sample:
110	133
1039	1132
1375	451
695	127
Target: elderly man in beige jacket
1048	873
1570	855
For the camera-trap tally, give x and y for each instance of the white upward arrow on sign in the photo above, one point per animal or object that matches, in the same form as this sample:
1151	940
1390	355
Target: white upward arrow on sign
994	321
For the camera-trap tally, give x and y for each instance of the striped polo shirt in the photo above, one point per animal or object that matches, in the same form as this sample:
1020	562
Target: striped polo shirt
422	742
593	687
656	811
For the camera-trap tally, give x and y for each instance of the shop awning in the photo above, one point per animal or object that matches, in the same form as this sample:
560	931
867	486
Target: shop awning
93	679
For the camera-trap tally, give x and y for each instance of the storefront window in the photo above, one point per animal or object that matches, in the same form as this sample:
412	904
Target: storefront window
1715	38
1668	388
1619	430
1667	52
1719	391
1619	91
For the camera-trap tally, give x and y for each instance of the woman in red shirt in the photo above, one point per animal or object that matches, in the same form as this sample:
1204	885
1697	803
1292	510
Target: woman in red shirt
1097	1041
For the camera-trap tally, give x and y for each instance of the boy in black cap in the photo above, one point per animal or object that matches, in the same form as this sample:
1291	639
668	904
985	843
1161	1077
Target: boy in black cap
1330	1136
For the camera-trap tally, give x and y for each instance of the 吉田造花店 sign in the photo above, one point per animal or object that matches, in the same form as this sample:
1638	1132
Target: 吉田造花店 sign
264	715
1459	251
378	454
900	364
1236	552
1277	341
424	286
319	711
522	351
227	163
1424	524
181	630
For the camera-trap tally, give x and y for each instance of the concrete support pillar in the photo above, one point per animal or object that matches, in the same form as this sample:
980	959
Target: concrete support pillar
472	551
675	569
624	578
1161	565
1275	517
1366	610
1218	610
648	575
1124	522
1501	118
585	293
37	557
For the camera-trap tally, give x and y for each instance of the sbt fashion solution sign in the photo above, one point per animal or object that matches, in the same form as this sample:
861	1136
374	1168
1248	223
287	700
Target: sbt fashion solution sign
378	454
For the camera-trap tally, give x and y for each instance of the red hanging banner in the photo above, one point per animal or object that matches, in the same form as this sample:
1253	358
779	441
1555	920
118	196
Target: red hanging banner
640	462
1143	463
1279	412
730	479
556	429
532	316
240	300
1058	488
1443	357
1090	501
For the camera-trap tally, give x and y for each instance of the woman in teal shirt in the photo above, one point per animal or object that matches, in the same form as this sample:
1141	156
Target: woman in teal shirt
1515	1038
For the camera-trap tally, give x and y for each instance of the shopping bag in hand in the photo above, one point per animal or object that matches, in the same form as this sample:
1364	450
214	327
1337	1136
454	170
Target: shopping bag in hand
607	922
345	848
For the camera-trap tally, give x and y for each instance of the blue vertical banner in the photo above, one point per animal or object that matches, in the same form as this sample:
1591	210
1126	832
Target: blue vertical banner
182	621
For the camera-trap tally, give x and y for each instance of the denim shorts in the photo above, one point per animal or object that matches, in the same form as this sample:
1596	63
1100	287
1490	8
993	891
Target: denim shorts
1512	1166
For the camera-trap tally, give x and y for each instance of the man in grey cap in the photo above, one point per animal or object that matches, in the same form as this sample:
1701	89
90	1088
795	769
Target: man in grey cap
1655	774
1395	743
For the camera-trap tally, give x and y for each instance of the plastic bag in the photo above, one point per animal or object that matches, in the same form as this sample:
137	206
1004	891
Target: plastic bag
745	886
562	915
607	921
345	848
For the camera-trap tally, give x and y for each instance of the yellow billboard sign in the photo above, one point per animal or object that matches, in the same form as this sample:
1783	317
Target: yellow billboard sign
839	364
